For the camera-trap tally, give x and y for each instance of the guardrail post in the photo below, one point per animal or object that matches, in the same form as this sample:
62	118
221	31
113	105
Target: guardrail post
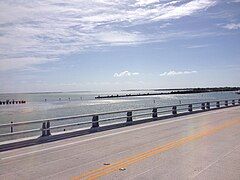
44	133
48	133
174	110
129	116
239	101
233	102
11	128
190	108
154	113
95	123
226	103
203	106
218	104
208	105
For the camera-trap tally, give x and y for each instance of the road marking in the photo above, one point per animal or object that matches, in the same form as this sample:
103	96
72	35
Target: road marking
97	173
216	161
106	135
195	175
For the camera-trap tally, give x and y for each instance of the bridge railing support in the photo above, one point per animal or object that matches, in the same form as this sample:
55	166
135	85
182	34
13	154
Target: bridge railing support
44	126
203	106
129	117
11	127
208	105
48	132
190	108
174	110
95	123
218	104
226	103
46	129
233	102
239	101
154	113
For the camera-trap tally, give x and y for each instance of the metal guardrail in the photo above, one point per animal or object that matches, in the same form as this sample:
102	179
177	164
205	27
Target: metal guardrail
154	113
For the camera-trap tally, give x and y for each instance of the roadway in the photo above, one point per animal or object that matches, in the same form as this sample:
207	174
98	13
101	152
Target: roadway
198	146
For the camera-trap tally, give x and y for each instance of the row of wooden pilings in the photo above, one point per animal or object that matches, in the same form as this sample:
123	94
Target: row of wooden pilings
7	102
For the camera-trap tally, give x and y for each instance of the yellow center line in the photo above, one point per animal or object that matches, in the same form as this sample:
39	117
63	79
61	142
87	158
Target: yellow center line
94	174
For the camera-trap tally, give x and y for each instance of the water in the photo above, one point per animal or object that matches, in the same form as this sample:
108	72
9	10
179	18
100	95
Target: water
84	103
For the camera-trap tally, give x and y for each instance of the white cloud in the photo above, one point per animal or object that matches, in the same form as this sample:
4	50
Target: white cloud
125	74
21	63
198	46
165	25
146	2
119	37
174	73
173	12
232	26
46	30
135	73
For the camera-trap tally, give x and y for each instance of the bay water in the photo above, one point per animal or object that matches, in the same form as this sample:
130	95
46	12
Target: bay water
59	104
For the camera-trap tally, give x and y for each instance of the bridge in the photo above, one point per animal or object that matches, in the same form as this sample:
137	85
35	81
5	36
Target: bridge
197	144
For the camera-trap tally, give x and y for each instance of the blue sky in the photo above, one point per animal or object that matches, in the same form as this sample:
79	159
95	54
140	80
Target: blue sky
110	45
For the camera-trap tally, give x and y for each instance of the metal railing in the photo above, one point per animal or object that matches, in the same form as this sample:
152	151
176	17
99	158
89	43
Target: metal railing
98	118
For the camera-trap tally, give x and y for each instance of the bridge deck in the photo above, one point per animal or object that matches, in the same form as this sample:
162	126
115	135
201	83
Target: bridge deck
198	146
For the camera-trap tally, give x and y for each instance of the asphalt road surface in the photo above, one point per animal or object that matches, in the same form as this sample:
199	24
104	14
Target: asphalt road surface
199	146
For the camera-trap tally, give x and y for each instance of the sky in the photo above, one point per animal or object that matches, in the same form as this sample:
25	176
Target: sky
78	45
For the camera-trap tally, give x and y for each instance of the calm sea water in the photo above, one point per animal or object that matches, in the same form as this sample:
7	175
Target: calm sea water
66	104
84	103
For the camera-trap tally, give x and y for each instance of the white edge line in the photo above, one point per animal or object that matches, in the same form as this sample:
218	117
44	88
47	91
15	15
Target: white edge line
216	161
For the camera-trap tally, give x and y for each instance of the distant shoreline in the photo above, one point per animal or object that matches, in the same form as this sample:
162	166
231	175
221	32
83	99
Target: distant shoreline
187	89
173	91
127	90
